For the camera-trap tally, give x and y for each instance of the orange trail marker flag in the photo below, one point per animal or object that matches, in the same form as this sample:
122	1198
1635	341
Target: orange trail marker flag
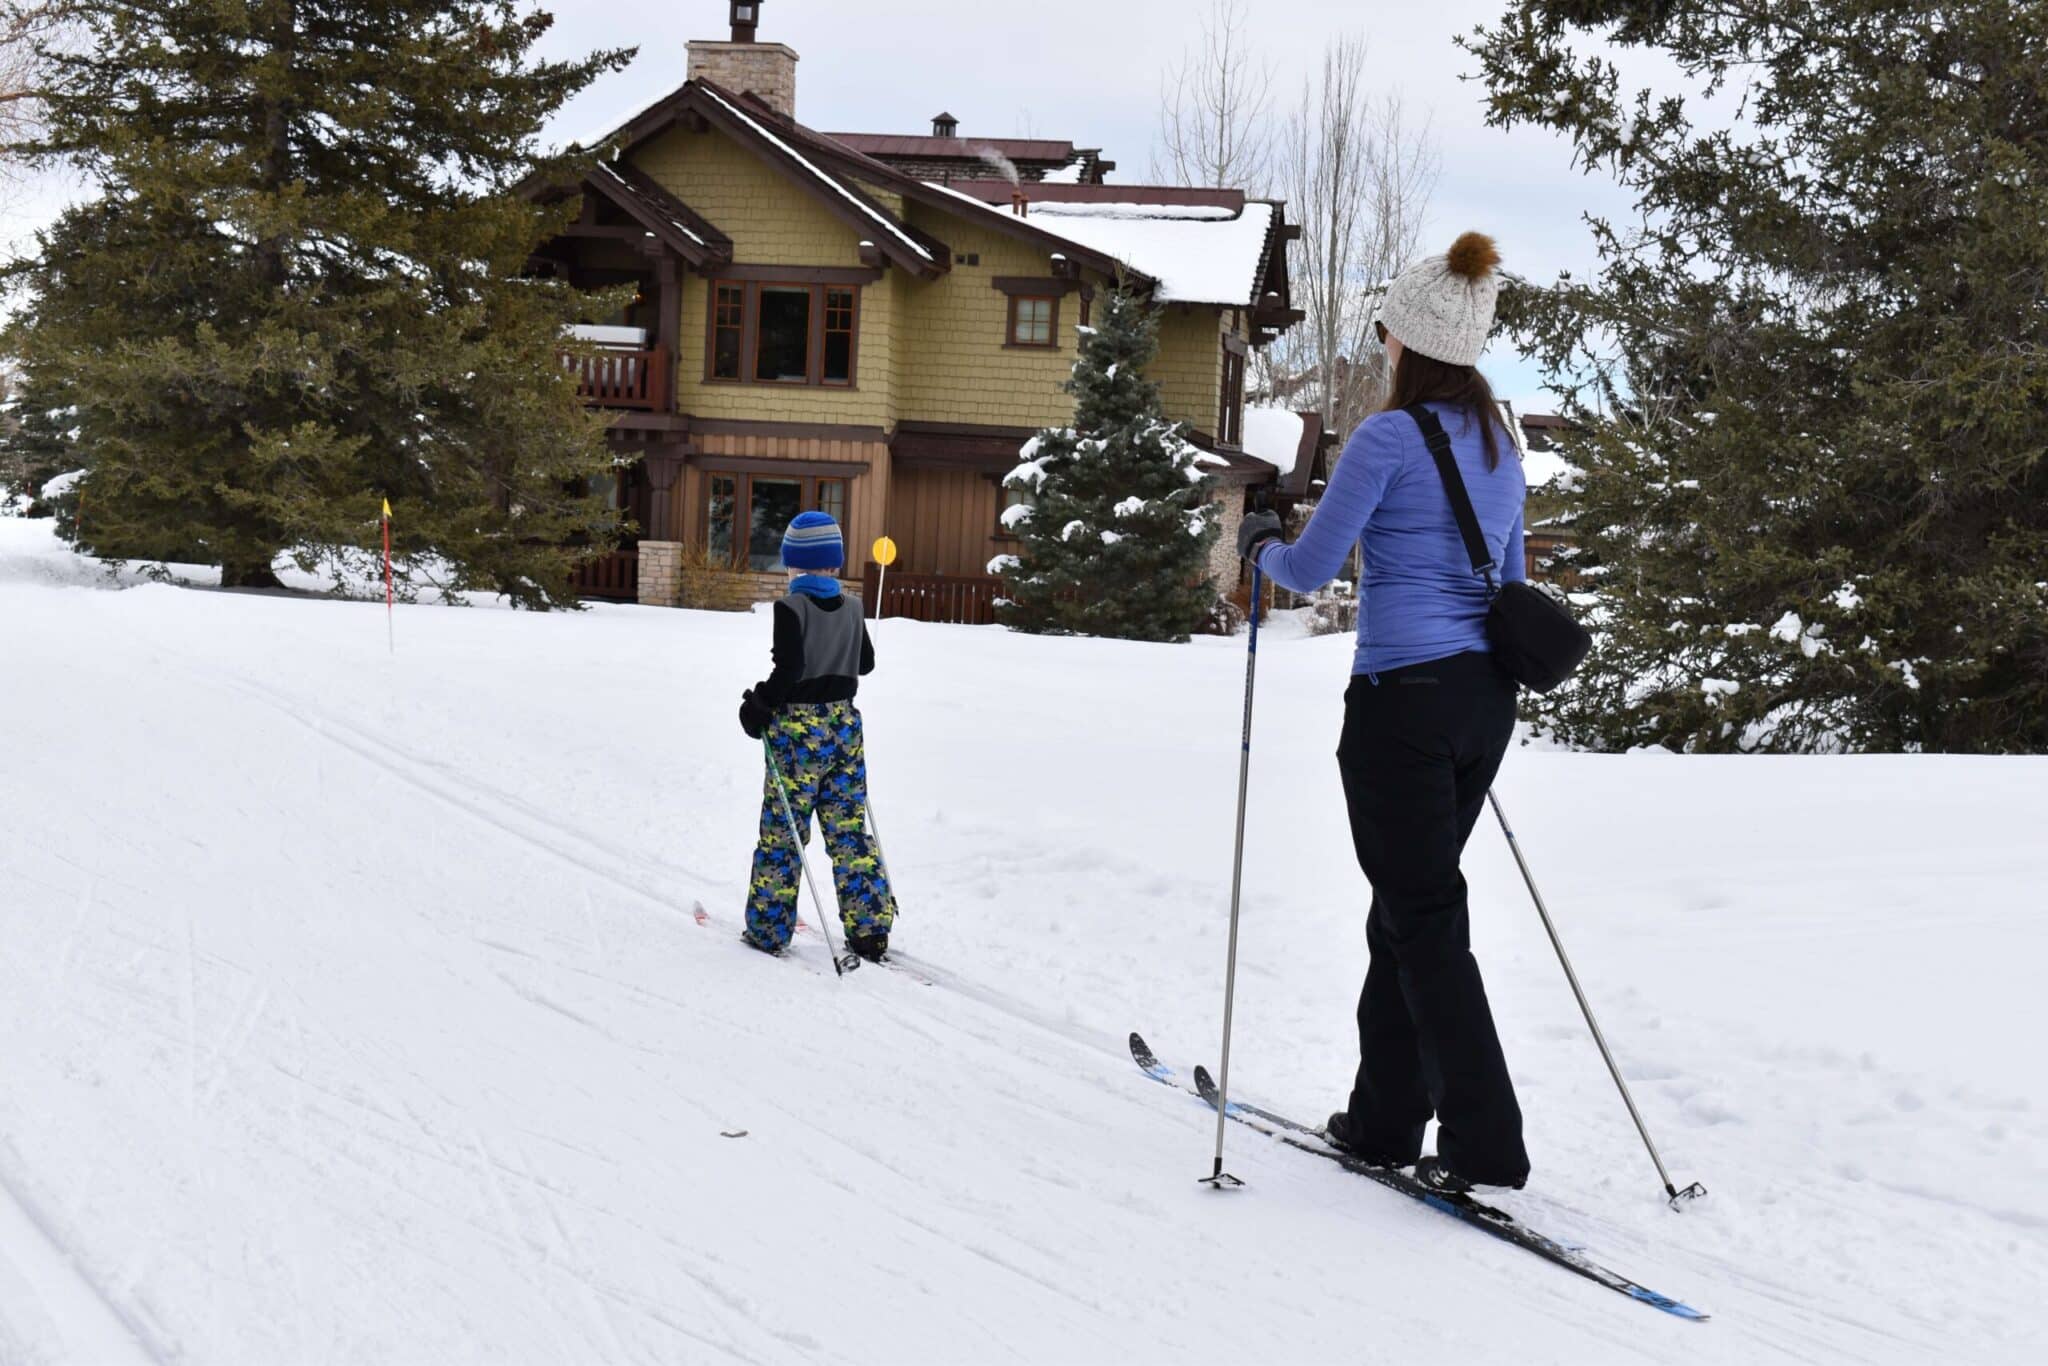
390	630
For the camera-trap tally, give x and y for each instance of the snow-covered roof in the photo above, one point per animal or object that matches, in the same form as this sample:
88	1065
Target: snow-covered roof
1274	436
1542	468
880	219
1199	254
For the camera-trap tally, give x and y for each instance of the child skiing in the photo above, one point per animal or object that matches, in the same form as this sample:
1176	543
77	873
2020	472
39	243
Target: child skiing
816	755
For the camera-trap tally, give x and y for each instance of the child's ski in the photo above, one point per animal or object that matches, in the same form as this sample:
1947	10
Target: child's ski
1461	1207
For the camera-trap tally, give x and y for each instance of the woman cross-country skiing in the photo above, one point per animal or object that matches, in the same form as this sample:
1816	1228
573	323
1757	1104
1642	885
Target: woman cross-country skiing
1427	719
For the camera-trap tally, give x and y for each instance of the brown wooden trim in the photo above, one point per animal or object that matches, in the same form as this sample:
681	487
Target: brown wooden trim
801	275
1044	287
910	427
659	423
820	431
932	445
1010	327
712	463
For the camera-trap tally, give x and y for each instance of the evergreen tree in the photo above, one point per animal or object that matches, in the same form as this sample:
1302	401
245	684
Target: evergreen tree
1813	382
1117	536
36	443
298	290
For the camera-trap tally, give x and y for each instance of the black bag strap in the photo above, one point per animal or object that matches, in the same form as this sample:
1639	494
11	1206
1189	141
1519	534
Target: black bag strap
1439	442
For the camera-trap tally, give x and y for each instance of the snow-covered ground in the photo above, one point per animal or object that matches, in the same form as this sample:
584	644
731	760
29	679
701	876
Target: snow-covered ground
351	1010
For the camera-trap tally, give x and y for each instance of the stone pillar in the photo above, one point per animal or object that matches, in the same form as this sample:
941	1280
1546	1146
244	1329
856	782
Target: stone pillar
661	573
1225	568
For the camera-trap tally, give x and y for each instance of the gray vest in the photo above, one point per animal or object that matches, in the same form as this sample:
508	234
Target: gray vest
831	639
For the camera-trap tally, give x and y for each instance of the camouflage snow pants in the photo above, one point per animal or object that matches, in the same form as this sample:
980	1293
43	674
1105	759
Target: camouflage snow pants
822	758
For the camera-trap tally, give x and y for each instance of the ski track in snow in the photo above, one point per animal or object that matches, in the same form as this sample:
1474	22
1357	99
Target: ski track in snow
355	1013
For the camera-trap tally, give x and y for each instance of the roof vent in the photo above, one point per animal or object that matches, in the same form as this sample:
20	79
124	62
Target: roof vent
945	126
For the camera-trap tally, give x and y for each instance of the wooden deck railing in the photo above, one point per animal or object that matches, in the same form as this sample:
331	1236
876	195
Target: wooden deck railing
623	379
614	576
961	599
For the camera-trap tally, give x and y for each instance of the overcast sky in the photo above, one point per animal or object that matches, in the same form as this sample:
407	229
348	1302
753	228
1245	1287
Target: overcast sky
1089	71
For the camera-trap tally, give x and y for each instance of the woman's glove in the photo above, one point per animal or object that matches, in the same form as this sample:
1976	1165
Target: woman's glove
1258	528
754	715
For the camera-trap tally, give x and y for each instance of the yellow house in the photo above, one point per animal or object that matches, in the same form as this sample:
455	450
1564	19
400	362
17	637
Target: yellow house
872	325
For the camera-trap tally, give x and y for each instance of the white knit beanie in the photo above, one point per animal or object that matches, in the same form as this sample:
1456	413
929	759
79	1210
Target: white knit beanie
1443	306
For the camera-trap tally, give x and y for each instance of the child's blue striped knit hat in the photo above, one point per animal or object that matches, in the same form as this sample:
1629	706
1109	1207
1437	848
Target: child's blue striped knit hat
813	542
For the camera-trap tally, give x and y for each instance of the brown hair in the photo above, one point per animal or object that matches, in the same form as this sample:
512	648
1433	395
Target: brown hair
1424	379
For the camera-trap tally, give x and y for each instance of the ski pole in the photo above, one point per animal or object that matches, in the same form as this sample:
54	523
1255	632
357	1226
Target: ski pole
839	968
1675	1195
881	859
1218	1179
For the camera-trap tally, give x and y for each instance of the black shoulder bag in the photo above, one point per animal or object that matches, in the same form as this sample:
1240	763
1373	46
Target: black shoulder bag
1534	638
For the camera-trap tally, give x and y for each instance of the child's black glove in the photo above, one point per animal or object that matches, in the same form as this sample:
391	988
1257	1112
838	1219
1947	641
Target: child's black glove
754	715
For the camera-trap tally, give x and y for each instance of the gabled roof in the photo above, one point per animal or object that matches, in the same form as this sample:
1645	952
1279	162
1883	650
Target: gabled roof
754	123
1186	245
701	104
682	228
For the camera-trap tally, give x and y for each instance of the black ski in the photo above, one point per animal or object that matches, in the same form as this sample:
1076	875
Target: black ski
1461	1207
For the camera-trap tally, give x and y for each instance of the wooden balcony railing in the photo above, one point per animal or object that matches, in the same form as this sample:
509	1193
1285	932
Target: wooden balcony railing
614	577
623	379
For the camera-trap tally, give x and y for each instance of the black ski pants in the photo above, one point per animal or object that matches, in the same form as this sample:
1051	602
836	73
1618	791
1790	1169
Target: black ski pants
1421	747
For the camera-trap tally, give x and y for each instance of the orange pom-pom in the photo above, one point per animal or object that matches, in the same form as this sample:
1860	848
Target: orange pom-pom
1473	255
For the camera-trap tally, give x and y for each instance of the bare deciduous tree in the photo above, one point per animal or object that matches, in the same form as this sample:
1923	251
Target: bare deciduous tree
1214	106
26	30
1357	173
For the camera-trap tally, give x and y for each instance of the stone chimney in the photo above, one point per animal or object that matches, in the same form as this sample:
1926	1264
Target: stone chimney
742	65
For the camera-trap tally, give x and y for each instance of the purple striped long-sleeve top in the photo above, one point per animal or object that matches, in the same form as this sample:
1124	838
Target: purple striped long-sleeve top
1419	599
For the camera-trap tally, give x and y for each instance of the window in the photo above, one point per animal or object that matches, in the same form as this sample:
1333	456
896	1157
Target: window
728	328
774	333
1033	321
771	503
831	500
1007	498
839	315
746	514
1230	420
724	498
782	352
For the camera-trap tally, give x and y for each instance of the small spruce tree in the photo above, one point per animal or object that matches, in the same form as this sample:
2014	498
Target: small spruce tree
1116	538
297	291
36	444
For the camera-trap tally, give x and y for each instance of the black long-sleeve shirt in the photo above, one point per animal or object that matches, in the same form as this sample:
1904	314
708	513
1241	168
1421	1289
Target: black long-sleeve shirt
787	684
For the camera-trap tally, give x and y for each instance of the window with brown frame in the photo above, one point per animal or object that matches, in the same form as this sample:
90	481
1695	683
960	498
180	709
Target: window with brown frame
745	514
728	329
1007	498
766	332
1230	420
1034	321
